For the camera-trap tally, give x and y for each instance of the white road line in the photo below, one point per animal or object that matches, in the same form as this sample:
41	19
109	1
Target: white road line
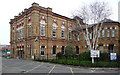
71	71
51	70
33	68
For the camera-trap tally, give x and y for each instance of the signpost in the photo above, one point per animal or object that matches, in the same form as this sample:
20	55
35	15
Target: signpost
95	54
113	56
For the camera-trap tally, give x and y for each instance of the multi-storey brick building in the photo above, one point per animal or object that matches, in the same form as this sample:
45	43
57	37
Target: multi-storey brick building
41	33
108	37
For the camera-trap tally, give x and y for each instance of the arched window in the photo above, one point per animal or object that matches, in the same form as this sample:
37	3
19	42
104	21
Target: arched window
54	29
62	30
42	27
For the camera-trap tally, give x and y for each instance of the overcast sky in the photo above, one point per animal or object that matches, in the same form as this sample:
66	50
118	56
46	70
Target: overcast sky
11	8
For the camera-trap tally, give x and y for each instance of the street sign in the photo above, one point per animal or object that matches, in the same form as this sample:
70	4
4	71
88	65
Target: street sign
95	53
113	56
32	57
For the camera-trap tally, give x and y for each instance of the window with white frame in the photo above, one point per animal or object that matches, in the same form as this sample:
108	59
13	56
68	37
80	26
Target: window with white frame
54	29
98	33
42	50
62	30
103	32
90	35
108	32
113	32
42	27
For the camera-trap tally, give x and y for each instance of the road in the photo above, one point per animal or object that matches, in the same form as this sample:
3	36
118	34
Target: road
28	66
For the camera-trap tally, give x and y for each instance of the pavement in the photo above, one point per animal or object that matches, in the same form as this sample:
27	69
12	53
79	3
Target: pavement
21	66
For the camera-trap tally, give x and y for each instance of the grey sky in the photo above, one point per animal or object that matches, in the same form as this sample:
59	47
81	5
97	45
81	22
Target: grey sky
10	8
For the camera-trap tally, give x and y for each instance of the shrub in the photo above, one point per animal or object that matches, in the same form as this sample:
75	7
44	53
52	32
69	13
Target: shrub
104	57
85	56
59	55
68	50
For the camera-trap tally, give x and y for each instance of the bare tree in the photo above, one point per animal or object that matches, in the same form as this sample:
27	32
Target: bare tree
93	14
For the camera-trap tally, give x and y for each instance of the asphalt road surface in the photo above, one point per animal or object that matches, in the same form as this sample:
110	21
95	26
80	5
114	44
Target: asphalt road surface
28	66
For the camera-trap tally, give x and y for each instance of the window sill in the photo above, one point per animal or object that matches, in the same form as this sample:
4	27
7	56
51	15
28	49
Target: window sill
42	55
77	54
42	35
54	54
54	36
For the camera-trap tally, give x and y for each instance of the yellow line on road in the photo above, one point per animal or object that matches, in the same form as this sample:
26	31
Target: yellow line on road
26	64
92	70
33	68
51	70
71	71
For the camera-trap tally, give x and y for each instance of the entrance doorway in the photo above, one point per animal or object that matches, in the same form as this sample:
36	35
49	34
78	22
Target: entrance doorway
21	53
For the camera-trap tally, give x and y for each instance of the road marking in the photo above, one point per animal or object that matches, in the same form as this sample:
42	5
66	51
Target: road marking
26	64
33	68
5	66
71	71
92	70
51	70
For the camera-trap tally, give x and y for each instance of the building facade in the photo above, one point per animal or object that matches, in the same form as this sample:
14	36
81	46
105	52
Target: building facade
39	33
108	37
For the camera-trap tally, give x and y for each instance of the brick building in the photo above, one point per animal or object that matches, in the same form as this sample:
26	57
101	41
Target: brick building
108	37
39	32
